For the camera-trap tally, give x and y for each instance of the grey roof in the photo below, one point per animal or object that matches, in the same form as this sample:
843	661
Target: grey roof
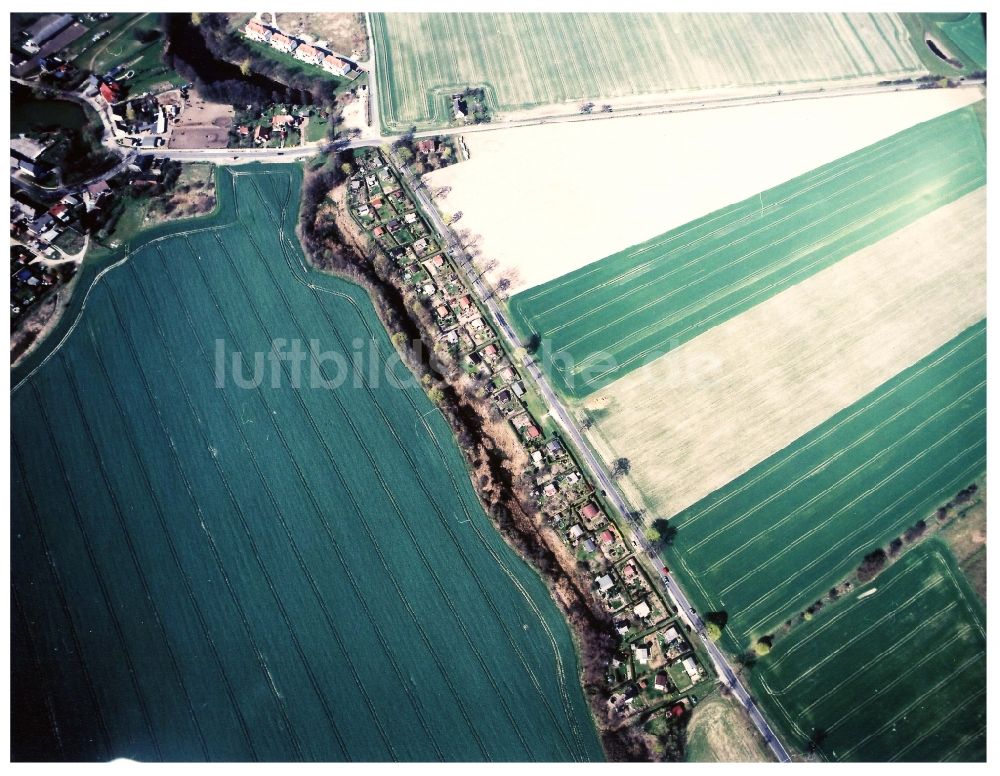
47	26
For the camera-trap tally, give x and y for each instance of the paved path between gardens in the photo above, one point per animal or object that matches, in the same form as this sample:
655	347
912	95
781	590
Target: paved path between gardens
597	469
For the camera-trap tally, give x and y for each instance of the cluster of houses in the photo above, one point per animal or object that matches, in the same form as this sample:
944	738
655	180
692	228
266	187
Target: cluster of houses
656	665
35	232
273	131
304	52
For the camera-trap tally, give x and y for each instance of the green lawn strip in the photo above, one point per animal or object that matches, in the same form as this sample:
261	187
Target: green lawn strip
896	674
610	317
778	537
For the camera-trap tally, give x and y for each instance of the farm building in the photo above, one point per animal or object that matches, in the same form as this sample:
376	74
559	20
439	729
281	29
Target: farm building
94	192
60	212
691	666
34	169
47	27
27	148
111	92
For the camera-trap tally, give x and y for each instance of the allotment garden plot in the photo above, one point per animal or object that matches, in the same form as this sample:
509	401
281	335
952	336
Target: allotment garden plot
777	538
611	317
205	567
529	60
896	672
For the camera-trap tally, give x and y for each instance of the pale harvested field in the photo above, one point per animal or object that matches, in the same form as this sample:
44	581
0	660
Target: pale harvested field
525	60
581	191
719	732
698	417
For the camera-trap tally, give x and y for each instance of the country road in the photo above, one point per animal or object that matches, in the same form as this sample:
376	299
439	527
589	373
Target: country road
243	155
596	468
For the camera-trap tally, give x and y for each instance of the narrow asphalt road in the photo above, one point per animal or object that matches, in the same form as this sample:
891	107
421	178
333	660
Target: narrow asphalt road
596	468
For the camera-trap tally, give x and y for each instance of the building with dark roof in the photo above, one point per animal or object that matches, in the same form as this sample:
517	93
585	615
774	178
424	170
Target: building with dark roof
47	27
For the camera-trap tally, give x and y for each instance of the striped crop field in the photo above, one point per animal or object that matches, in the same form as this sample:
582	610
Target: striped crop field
895	672
210	567
775	539
611	317
530	60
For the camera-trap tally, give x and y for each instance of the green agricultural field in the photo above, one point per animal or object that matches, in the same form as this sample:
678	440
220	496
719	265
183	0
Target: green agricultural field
610	317
781	535
205	567
963	35
528	60
969	35
894	672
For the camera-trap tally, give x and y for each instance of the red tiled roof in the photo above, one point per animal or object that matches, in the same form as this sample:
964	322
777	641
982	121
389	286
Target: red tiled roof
110	92
333	61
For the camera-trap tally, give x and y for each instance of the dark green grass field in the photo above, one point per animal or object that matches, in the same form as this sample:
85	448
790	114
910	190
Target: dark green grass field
778	537
260	573
970	35
896	675
617	314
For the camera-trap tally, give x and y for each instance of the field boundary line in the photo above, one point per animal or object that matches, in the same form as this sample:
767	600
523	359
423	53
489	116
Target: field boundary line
965	338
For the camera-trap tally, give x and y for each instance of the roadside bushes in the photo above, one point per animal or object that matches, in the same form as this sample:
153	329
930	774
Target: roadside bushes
763	646
872	564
